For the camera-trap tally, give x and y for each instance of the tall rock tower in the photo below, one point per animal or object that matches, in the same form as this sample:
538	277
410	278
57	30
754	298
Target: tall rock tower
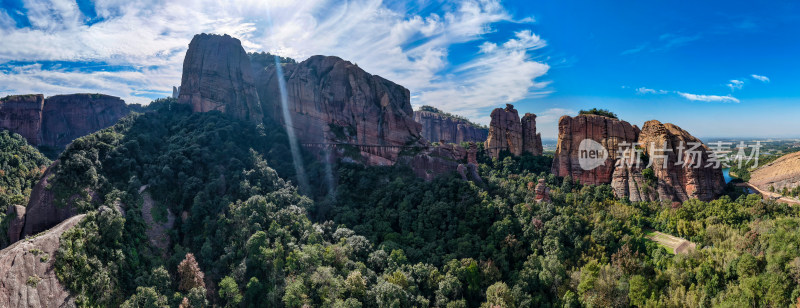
217	76
531	140
505	132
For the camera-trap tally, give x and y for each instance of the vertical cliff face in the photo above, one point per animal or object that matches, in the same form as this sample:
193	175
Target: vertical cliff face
441	127
42	212
57	120
531	140
505	132
22	114
606	131
331	100
670	180
217	75
673	180
67	117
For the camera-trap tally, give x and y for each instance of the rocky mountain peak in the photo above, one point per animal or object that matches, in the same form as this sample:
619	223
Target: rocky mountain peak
217	75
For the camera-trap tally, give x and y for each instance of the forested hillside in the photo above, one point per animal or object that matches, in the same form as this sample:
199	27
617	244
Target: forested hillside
21	165
240	234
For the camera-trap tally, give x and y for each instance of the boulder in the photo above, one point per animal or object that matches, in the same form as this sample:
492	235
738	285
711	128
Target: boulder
439	126
531	140
505	132
68	117
330	100
27	271
608	132
22	114
217	75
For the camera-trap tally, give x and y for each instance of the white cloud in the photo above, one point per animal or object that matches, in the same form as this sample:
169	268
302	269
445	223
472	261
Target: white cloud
152	36
643	90
709	98
764	79
735	84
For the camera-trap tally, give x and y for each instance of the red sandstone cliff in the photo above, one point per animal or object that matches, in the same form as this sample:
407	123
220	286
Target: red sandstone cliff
441	127
531	140
67	117
331	100
22	114
217	75
673	181
57	120
507	132
608	132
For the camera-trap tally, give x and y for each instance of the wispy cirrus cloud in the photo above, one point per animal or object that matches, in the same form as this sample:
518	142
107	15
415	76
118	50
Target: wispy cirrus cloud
664	42
689	96
643	90
709	98
761	78
407	43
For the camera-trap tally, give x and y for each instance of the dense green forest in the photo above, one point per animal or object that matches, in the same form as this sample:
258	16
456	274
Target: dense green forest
243	235
21	165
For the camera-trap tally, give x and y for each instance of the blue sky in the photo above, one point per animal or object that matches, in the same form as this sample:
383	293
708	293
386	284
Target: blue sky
717	69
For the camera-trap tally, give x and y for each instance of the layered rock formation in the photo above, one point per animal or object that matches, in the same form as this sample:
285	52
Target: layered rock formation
667	146
67	117
331	100
217	75
506	132
666	179
56	121
606	131
27	271
783	172
22	114
438	126
531	140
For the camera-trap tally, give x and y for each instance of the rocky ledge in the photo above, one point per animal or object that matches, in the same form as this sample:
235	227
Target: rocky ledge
27	271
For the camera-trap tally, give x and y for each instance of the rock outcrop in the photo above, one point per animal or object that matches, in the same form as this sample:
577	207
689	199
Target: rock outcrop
542	192
783	172
505	132
331	100
16	222
442	159
22	114
217	75
608	132
666	147
27	271
67	117
438	126
57	120
665	179
42	212
531	140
